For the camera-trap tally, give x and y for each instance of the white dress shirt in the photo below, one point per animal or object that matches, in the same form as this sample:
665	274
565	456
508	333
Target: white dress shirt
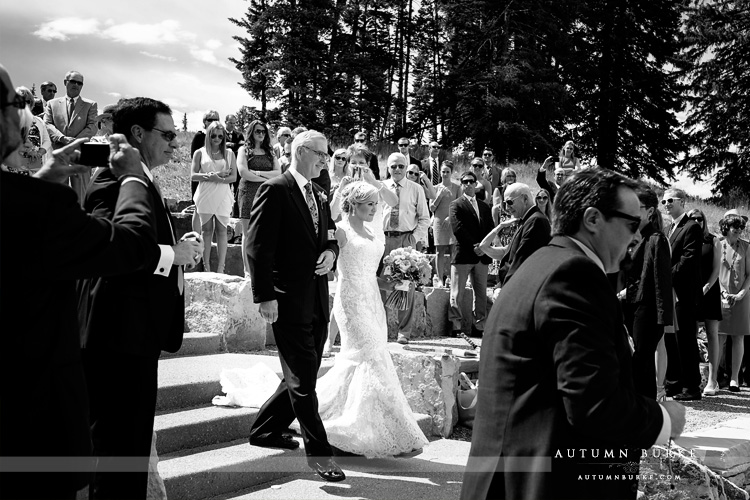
413	215
166	259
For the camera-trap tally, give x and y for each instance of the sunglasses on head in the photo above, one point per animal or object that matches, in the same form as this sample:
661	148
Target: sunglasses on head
669	200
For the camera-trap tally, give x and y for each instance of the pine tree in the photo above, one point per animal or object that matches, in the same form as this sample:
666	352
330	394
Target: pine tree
718	34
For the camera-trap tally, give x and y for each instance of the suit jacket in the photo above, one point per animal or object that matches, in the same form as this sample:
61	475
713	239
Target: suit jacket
532	234
468	230
427	168
556	379
648	281
140	313
82	123
687	243
41	355
283	249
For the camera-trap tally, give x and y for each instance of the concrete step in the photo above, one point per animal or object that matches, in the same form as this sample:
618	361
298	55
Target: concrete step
239	470
197	344
197	427
209	425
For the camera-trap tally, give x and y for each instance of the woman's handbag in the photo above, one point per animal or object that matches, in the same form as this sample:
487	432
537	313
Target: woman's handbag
467	400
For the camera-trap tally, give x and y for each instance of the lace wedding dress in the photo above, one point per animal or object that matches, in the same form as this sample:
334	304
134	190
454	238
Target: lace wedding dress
360	400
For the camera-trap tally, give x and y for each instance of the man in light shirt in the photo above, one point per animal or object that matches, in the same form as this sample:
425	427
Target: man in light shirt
404	225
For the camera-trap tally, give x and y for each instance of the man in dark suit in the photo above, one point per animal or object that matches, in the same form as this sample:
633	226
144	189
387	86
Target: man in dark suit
291	248
121	351
431	164
533	231
470	221
686	240
43	358
403	148
557	402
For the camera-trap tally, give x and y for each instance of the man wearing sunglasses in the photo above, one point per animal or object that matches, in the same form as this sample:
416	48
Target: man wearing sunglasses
403	148
686	240
69	118
492	172
558	401
128	320
533	230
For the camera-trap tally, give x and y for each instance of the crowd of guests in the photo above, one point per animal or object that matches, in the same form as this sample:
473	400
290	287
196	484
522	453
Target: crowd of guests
668	277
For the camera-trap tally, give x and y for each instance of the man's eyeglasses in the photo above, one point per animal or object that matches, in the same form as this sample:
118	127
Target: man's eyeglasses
77	82
396	167
359	140
669	200
285	135
18	101
403	145
339	158
168	135
509	202
51	91
467	181
259	132
320	154
487	154
477	165
633	222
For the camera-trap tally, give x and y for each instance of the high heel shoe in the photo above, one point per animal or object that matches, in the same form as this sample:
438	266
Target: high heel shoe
711	389
661	394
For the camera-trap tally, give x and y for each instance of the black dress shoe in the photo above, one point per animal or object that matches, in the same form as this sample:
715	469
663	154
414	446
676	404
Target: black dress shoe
276	441
671	392
327	469
688	396
476	333
456	334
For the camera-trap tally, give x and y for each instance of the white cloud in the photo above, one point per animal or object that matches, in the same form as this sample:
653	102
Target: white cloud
66	27
157	56
165	32
213	44
208	56
116	95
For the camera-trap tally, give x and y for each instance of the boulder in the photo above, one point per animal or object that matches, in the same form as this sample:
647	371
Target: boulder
430	383
691	479
219	303
438	304
177	206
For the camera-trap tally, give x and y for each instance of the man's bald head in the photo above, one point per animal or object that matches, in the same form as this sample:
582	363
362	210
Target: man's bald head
518	199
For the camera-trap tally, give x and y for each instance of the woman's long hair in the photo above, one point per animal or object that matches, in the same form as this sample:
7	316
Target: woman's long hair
332	165
223	146
548	207
703	222
265	144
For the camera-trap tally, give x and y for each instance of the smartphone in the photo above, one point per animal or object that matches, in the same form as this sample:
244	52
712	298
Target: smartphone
94	154
356	173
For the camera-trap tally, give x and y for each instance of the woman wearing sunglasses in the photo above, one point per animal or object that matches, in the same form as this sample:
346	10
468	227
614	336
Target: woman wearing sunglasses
215	169
709	309
734	280
647	296
256	163
543	203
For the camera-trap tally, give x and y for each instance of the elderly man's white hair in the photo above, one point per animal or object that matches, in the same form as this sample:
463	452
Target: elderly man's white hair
282	131
306	138
517	189
394	157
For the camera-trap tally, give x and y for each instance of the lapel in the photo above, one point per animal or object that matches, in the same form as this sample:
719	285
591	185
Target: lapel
301	203
161	210
519	230
76	110
677	231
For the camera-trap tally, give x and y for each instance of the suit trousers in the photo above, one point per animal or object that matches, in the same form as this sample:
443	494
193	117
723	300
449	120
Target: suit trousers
459	274
646	333
300	352
683	362
404	316
122	393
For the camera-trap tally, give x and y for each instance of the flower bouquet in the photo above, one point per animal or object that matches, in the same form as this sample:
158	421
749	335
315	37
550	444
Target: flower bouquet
407	266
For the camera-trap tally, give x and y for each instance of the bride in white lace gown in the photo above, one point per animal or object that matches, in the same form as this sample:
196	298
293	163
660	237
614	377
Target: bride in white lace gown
360	399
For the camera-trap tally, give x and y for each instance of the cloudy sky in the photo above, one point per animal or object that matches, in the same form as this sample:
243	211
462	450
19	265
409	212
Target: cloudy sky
172	51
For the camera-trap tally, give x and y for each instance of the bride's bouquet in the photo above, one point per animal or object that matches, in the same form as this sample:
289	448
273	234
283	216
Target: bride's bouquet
407	266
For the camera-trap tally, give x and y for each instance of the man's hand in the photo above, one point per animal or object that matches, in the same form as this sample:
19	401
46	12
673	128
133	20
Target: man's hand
676	416
269	311
124	159
478	250
61	165
189	250
325	262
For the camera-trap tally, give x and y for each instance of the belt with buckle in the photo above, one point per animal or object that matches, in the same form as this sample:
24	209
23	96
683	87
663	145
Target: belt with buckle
397	233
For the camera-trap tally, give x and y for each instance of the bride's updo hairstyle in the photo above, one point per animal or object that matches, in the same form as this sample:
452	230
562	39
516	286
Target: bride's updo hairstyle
356	192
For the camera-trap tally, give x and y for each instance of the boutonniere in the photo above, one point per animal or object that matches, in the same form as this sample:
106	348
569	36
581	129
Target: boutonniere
323	197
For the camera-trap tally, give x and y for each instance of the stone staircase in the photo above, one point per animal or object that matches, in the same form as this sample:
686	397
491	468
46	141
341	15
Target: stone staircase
203	449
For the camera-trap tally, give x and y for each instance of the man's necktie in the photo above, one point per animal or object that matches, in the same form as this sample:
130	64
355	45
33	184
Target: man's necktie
71	106
311	205
473	202
180	272
435	171
393	221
